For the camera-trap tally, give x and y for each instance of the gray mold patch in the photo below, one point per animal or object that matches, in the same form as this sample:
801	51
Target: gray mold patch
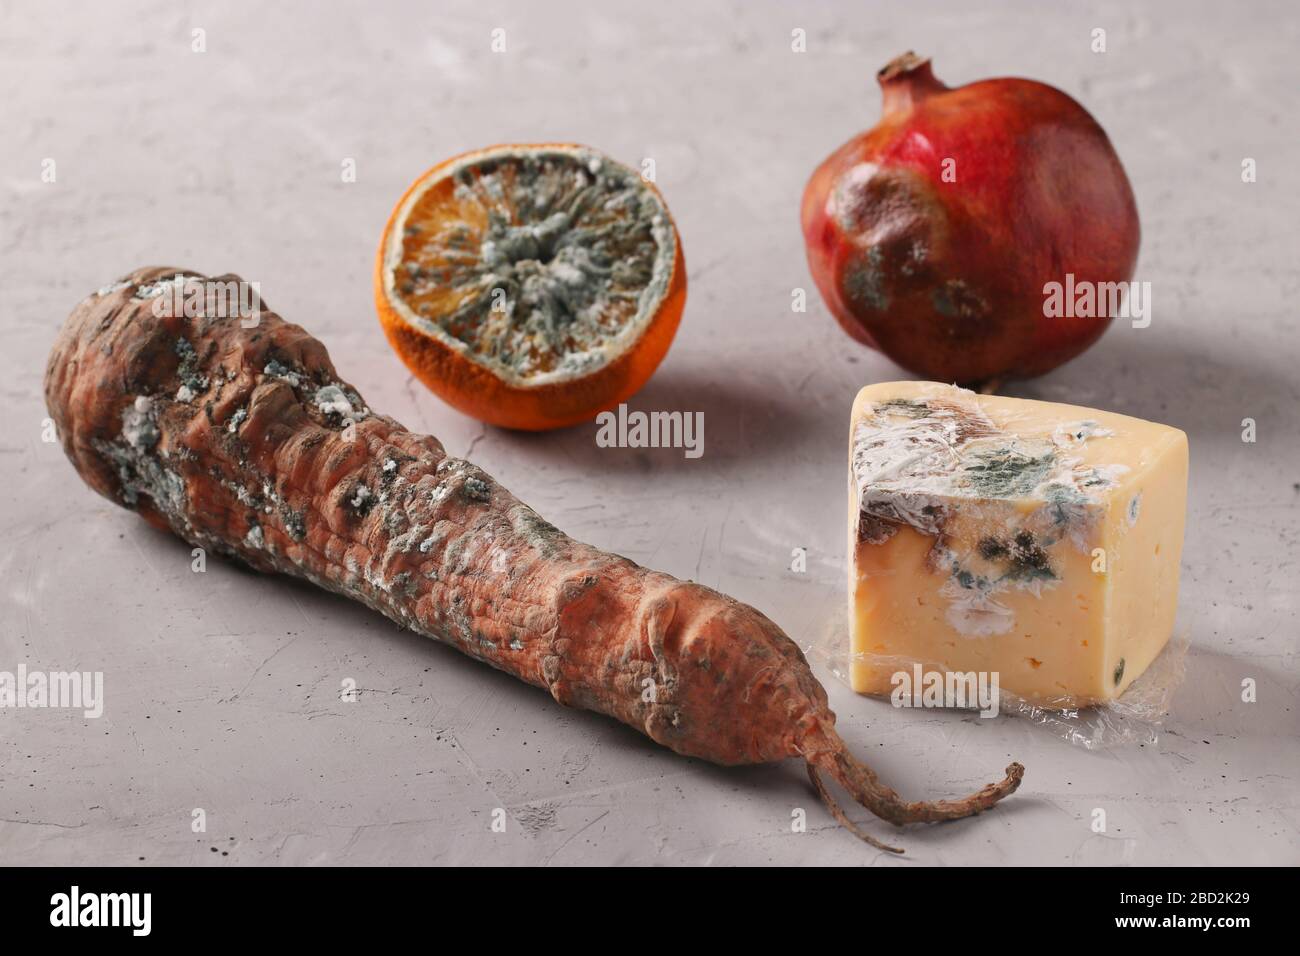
152	290
335	400
187	370
1133	510
576	253
331	400
139	428
864	281
1004	471
476	489
115	287
276	369
541	535
139	470
294	522
362	499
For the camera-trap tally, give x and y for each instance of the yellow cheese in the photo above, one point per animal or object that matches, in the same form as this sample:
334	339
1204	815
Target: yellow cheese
1035	541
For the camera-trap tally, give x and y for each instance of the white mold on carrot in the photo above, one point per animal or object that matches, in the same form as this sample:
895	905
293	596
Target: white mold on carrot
281	465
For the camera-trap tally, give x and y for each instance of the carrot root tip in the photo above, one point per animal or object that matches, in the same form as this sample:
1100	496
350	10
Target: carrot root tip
840	817
865	787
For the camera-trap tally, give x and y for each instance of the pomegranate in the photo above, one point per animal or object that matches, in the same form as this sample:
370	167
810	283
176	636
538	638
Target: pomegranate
934	236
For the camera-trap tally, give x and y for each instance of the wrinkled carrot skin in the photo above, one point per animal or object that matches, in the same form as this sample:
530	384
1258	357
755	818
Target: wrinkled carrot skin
222	435
432	543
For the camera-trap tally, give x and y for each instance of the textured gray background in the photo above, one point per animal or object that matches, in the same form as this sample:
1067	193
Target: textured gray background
223	687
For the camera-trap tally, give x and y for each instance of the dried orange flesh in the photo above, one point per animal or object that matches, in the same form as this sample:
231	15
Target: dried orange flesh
542	264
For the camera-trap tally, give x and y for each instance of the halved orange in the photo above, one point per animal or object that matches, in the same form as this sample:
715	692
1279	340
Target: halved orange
531	286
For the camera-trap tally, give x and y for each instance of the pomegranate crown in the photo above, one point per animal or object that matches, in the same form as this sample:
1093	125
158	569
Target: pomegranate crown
906	80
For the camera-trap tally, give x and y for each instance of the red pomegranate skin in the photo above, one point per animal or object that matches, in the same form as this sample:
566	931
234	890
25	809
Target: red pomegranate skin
947	278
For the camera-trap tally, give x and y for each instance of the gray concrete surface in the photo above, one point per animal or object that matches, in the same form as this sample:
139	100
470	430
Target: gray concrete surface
223	688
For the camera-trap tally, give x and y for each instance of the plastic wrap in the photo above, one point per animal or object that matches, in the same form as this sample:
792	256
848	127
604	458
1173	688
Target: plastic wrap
1133	718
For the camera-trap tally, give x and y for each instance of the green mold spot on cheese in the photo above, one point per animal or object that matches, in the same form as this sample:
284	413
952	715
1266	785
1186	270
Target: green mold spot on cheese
1133	510
1027	561
910	407
1006	472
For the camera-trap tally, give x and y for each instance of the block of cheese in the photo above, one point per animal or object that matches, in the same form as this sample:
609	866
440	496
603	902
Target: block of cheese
1037	541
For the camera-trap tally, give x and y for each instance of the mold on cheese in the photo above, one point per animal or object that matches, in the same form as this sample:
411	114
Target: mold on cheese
988	530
